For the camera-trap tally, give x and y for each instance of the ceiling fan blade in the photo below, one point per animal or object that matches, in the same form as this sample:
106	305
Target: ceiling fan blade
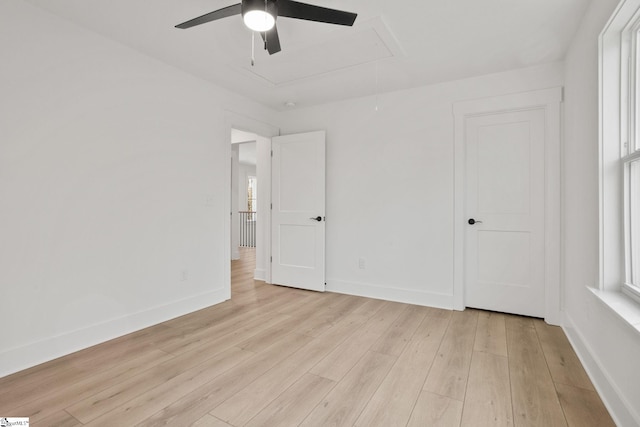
235	9
308	12
271	40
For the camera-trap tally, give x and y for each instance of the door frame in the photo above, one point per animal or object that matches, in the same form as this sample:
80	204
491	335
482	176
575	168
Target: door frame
234	120
548	100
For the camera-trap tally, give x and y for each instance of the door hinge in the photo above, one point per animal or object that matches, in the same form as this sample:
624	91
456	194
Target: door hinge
271	153
270	259
271	205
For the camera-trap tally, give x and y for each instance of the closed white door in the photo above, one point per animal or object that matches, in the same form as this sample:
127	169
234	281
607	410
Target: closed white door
298	211
504	206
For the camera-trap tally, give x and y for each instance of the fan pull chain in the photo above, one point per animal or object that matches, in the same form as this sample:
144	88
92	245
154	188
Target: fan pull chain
253	48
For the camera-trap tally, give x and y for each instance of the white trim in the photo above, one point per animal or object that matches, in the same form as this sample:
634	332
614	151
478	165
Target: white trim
623	307
632	292
234	226
622	412
390	293
631	157
35	353
549	100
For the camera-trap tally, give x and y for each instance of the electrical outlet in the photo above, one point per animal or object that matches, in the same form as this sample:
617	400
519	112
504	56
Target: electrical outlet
184	275
361	263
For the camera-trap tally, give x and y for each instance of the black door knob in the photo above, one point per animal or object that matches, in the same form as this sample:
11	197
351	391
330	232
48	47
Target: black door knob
473	221
318	218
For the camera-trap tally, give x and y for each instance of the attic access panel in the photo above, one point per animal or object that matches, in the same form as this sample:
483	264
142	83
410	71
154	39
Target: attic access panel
349	50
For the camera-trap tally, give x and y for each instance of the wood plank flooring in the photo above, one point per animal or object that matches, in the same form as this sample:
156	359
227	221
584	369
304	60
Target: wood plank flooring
274	356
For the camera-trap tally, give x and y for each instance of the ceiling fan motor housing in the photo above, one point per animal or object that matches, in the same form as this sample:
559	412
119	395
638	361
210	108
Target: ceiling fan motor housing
270	6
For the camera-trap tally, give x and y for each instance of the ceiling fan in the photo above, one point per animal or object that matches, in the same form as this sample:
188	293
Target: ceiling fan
261	15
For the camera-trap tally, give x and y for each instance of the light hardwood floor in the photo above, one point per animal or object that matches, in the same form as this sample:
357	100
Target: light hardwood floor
275	356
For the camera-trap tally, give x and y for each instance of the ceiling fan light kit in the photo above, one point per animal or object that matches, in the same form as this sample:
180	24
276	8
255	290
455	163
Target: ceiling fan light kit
261	15
258	20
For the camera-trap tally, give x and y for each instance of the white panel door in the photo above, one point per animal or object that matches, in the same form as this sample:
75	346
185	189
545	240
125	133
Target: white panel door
298	211
504	206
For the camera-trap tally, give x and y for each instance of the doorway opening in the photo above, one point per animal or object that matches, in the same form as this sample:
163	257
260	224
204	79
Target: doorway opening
249	208
244	192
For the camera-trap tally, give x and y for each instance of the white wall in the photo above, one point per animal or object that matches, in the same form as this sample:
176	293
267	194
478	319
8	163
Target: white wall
607	346
114	184
390	184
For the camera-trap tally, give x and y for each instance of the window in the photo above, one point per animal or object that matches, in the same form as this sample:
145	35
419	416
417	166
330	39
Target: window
252	196
633	166
620	151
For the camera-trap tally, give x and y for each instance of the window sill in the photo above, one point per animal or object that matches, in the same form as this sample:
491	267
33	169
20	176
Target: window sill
622	305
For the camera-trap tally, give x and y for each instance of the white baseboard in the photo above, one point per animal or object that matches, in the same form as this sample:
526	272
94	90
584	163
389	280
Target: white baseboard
408	296
621	411
259	274
17	359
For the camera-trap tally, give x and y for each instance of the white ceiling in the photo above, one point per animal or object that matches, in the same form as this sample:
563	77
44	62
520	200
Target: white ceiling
393	45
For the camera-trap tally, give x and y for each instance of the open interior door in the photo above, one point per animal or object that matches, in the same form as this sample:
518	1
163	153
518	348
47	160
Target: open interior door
298	211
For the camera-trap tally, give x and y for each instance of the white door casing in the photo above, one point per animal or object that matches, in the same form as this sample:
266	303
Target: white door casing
548	102
298	198
235	220
504	196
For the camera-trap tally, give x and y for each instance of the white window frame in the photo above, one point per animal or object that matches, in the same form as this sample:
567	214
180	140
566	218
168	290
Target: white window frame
619	143
631	286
